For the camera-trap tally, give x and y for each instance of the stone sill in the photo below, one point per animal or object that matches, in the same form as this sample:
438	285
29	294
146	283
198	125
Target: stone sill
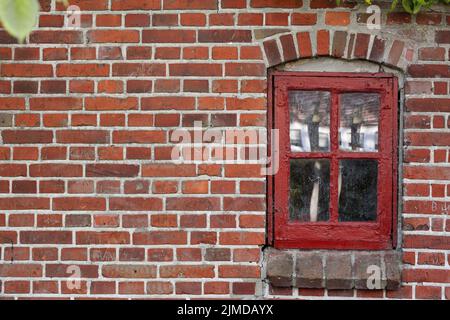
368	270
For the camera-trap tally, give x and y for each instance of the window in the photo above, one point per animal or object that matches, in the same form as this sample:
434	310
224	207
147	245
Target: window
336	186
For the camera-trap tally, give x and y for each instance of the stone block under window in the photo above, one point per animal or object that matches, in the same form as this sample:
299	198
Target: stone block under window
366	270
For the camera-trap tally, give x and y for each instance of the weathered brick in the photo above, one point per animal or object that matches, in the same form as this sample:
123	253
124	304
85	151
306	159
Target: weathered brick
309	270
362	270
280	268
339	271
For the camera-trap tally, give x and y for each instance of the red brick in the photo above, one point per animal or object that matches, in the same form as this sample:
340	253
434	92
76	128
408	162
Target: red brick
51	20
443	36
92	237
164	220
277	19
193	204
62	270
45	287
159	255
241	238
87	5
195	86
82	70
239	271
272	52
222	36
81	86
113	36
45	254
169	86
62	36
221	19
304	44
304	19
194	271
189	288
429	70
74	254
21	270
131	288
135	4
168	36
189	254
428	292
24	203
193	19
159	287
135	204
20	287
216	288
106	221
337	18
137	20
234	4
76	204
164	103
250	19
16	254
362	45
160	237
83	53
276	3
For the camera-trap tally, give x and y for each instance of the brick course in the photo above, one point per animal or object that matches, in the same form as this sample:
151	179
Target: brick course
86	117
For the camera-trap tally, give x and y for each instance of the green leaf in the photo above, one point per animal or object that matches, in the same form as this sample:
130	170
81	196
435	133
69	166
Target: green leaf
394	5
19	17
408	5
65	2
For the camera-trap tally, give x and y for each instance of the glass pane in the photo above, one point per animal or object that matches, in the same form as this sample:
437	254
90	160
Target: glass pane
359	122
310	190
310	120
358	190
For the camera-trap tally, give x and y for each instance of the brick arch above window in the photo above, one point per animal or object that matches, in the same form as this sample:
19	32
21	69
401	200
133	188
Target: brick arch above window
287	47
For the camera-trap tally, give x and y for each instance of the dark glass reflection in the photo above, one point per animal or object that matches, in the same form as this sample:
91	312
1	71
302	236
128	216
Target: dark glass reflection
310	190
309	120
358	190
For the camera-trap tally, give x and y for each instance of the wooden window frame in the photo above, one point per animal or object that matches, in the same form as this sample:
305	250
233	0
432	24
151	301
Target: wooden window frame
379	235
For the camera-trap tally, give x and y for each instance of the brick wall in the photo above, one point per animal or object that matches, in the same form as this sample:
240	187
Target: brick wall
86	116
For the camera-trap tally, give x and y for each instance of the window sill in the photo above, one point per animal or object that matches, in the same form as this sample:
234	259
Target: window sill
368	270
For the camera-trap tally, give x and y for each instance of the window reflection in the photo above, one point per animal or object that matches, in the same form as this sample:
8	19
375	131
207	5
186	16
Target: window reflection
310	190
359	113
309	121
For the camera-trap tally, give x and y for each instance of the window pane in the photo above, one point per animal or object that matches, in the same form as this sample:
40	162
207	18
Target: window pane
358	190
310	120
359	122
310	190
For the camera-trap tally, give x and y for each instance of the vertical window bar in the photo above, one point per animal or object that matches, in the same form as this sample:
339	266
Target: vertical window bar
334	172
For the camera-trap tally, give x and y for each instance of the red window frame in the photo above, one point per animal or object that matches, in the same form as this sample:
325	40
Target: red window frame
332	234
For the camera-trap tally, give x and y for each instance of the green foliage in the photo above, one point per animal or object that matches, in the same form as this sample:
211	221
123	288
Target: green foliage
414	6
410	6
19	17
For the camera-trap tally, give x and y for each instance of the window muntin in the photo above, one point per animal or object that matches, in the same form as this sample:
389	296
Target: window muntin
334	191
